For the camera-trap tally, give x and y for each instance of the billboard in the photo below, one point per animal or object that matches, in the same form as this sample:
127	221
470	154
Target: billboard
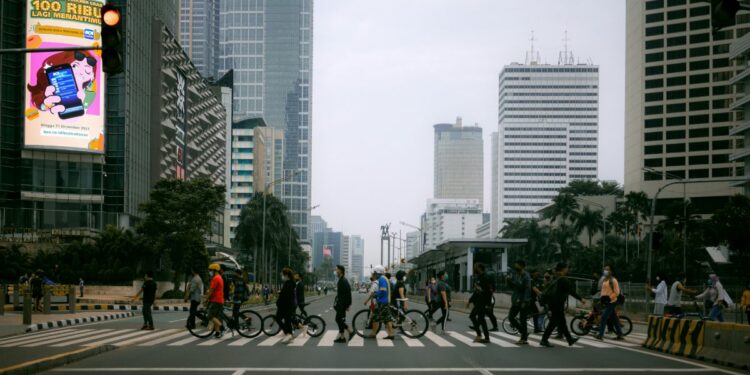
64	96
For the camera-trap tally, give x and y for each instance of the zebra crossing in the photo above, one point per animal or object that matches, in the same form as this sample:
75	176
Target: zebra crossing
71	337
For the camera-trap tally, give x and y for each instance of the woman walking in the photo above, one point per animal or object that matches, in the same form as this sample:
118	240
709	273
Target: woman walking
285	305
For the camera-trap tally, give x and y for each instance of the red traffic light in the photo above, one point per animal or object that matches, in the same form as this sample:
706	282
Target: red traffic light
110	16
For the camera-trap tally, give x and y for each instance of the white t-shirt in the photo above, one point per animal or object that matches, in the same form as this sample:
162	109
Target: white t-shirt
660	293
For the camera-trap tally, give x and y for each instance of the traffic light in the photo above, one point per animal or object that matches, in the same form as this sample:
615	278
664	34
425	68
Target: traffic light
723	13
111	39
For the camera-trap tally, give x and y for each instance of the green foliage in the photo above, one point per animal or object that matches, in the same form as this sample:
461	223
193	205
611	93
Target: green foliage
173	294
592	187
324	272
13	262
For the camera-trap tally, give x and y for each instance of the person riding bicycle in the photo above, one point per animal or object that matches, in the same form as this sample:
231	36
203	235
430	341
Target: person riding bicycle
383	299
215	299
240	294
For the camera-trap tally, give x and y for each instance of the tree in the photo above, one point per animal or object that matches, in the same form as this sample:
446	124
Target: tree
325	270
564	206
592	187
13	262
730	224
589	220
177	218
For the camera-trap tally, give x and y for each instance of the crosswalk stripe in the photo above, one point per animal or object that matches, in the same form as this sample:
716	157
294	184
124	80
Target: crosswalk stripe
113	339
34	335
439	341
165	339
515	338
328	337
272	340
300	340
64	338
595	344
498	342
89	338
211	341
37	339
356	341
382	342
184	341
564	343
464	339
151	335
412	342
241	342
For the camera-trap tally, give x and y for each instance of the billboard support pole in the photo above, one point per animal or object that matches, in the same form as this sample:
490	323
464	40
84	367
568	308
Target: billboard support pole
33	50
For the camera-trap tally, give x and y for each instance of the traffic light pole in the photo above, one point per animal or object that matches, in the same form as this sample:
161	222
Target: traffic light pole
33	50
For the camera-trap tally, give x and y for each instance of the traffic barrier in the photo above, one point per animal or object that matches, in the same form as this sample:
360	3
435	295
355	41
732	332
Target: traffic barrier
726	344
675	336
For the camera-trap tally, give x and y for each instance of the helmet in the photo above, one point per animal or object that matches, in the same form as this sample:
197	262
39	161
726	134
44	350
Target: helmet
378	269
214	267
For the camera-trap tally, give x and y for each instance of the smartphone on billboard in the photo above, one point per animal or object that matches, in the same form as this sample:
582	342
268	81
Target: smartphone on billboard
61	76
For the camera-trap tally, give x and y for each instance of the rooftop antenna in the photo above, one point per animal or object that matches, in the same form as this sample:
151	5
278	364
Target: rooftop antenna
531	57
566	56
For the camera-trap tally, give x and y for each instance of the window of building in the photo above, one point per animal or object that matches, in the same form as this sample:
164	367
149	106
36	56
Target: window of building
699	92
721	63
698	119
676	107
698	146
699	78
721	48
676	41
677	14
722	172
676	81
675	3
654	97
699	173
675	134
676	121
676	147
721	90
653	70
676	68
700	38
699	65
700	11
699	133
723	35
698	159
699	106
654	30
721	117
722	145
652	136
654	110
720	104
653	123
652	162
654	17
654	4
676	28
676	161
676	54
652	57
700	51
721	130
700	24
676	94
720	158
650	150
654	83
656	43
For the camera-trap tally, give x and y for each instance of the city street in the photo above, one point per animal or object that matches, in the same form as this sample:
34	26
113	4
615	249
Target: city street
171	349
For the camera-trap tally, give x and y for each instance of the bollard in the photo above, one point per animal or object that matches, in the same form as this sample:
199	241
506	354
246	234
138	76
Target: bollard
47	300
16	295
26	307
4	295
72	299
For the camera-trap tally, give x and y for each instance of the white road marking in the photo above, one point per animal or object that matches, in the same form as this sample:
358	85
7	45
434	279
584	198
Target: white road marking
412	342
498	342
89	338
27	340
272	340
165	339
512	338
34	335
65	338
178	320
300	340
151	335
439	341
595	343
184	341
356	341
211	341
328	337
241	342
465	339
397	370
113	339
382	342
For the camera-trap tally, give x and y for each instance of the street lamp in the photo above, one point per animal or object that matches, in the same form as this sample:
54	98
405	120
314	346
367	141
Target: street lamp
421	234
604	233
263	235
684	212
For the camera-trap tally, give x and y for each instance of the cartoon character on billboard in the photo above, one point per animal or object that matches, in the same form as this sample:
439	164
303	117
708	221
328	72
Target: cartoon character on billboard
65	84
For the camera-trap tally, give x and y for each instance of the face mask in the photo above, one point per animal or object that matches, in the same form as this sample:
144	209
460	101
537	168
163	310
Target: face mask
211	273
605	273
658	278
335	274
708	282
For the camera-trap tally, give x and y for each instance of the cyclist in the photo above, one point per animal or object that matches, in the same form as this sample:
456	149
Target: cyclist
285	305
240	294
520	282
215	299
383	299
610	294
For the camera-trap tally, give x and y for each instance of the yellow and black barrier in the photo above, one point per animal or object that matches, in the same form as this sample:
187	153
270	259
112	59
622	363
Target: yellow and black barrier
675	336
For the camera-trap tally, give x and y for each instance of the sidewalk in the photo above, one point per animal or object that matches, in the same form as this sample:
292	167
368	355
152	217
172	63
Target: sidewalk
12	323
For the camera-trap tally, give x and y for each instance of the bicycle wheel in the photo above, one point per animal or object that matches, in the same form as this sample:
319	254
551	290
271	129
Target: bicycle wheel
250	324
626	325
508	328
201	325
270	326
315	325
362	324
414	324
580	326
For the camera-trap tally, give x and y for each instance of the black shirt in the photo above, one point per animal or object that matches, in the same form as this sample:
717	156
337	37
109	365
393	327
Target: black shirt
300	292
396	295
343	294
482	289
286	297
149	291
564	288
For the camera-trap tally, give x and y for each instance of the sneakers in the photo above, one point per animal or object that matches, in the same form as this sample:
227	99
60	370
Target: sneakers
573	340
599	337
145	327
494	329
219	334
287	339
522	342
545	344
481	340
351	335
340	340
149	328
619	338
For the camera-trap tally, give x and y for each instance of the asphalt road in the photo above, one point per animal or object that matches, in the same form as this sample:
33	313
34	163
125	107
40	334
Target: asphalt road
171	349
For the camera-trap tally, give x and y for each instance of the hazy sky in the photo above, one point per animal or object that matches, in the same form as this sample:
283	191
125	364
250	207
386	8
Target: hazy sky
385	71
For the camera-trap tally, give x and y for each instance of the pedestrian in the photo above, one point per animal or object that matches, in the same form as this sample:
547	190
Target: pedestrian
596	286
194	294
36	283
80	285
660	295
490	311
720	301
443	291
537	286
555	295
239	295
399	291
342	303
215	300
745	300
285	305
610	293
432	298
148	290
674	300
24	279
481	299
383	299
520	283
266	293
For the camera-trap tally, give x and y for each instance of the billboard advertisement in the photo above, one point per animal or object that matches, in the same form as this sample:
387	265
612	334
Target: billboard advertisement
64	96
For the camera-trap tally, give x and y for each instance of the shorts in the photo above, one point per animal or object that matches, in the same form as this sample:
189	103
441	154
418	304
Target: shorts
383	313
214	310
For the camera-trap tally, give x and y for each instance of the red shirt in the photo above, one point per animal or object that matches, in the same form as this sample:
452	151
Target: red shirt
217	284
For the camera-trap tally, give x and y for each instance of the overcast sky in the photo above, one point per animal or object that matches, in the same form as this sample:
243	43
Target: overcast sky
385	71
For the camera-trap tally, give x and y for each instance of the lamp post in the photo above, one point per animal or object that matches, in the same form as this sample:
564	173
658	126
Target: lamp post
684	212
421	234
604	228
263	230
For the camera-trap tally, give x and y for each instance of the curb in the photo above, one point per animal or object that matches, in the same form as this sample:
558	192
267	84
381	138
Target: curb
56	360
75	321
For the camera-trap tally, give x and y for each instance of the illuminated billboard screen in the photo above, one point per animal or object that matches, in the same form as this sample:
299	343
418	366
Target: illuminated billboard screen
64	96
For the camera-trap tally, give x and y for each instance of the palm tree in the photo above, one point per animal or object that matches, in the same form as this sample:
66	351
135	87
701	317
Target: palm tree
564	206
588	220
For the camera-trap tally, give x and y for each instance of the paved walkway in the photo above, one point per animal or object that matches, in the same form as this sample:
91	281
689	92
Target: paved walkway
12	323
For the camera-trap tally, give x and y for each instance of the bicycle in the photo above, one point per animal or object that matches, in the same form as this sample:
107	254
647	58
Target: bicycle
585	322
315	324
412	323
248	323
511	330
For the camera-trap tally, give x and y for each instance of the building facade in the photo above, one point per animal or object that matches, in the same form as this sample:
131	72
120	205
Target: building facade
459	162
242	167
739	51
678	104
413	244
548	128
199	34
356	269
269	46
269	158
450	219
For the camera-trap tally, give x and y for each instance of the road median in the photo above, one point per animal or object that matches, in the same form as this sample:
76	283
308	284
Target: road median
56	360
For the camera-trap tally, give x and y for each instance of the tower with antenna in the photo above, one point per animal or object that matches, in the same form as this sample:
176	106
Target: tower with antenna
566	56
532	57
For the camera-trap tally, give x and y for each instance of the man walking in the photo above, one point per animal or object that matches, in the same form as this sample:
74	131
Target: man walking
215	299
443	301
194	293
383	299
480	299
148	289
520	282
555	295
342	303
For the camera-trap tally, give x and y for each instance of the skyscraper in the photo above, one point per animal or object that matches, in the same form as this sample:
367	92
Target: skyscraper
678	102
199	34
548	127
459	161
357	266
269	46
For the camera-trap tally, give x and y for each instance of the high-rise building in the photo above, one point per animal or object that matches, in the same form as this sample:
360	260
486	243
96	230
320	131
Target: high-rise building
269	46
320	230
346	255
413	244
459	162
269	158
679	102
548	128
450	219
199	34
242	167
739	51
357	266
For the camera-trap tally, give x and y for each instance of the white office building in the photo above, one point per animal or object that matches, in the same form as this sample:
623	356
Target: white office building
450	219
413	244
356	269
548	129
